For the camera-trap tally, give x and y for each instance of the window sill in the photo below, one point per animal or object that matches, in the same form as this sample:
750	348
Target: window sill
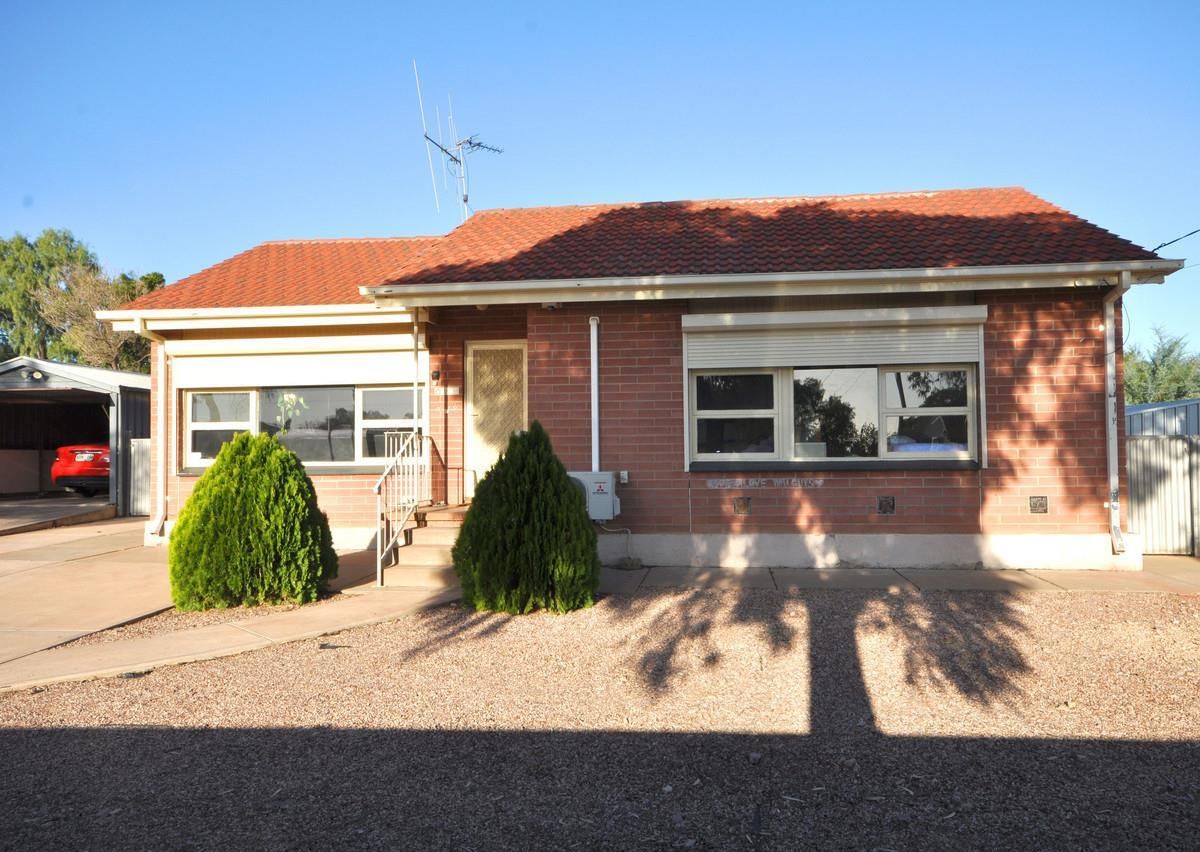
329	470
790	466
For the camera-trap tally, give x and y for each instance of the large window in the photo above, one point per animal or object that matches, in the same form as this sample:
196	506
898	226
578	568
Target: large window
322	425
317	424
844	414
213	419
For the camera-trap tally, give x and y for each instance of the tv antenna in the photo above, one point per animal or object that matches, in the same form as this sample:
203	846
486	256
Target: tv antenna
454	154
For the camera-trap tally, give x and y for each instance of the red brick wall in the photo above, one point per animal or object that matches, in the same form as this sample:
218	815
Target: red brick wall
1045	418
447	337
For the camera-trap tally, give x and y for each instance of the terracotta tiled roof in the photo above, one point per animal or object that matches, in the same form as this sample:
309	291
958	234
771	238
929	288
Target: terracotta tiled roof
288	272
909	230
906	230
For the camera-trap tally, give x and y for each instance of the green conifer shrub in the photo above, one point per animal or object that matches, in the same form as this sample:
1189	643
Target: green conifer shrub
251	531
527	542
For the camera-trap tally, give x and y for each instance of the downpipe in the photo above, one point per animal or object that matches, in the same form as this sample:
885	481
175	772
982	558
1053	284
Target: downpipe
1110	410
594	322
155	525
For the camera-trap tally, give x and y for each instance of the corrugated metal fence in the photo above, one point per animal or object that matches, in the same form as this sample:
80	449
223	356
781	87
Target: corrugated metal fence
1181	418
139	476
1164	491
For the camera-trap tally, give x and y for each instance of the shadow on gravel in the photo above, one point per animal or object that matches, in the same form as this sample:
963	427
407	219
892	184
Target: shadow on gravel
961	642
425	789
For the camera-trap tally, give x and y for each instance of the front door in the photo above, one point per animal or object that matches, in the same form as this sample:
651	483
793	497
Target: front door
495	404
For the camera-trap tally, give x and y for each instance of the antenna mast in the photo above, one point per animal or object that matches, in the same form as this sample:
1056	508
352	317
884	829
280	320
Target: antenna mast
454	156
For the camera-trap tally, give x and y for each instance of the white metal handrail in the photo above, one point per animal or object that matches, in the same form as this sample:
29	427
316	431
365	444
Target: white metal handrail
398	492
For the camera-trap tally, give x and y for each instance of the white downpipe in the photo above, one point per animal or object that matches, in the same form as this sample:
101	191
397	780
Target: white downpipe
1110	410
594	322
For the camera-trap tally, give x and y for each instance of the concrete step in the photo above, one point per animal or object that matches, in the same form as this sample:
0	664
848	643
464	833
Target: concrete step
423	555
433	535
408	577
446	516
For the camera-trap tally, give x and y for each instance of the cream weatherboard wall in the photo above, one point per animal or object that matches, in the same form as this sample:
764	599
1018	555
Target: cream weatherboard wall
258	358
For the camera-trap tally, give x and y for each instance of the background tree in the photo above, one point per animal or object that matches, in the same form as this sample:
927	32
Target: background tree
1167	371
25	269
68	308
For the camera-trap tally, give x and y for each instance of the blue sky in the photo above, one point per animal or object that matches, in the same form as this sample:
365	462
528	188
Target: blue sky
169	136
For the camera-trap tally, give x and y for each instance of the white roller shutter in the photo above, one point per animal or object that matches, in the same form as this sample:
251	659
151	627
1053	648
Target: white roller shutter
326	368
820	338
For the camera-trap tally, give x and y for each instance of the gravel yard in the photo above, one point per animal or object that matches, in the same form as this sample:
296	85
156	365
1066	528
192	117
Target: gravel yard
679	719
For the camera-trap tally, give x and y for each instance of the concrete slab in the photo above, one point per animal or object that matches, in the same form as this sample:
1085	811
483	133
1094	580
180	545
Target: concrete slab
863	579
132	655
682	576
33	513
955	580
1115	581
15	644
1183	568
615	581
82	662
16	566
82	595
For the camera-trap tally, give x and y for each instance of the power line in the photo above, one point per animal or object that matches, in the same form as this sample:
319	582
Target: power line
1177	239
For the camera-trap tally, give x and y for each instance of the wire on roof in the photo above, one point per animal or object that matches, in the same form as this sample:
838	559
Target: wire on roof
1177	239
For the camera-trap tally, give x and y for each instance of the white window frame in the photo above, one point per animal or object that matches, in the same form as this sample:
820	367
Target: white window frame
362	424
192	459
969	410
784	406
698	414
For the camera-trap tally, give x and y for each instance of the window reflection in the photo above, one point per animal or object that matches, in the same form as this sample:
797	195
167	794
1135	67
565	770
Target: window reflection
836	412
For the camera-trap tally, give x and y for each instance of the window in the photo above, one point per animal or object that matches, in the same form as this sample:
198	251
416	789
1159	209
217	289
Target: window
384	411
735	415
213	419
927	412
843	414
317	424
322	425
835	412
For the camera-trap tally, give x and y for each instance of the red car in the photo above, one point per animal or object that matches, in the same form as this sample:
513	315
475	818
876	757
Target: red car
82	468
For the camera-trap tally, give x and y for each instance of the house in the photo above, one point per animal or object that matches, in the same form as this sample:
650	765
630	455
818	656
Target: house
917	378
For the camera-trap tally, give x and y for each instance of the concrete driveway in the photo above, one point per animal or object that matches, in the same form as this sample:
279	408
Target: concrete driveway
21	514
58	584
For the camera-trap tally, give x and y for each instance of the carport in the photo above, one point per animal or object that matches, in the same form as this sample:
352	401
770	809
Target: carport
45	405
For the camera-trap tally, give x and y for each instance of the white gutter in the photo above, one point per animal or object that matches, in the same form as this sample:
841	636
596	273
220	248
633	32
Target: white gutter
1110	410
662	286
594	322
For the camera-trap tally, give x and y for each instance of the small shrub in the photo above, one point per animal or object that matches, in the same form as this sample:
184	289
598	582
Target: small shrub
527	542
251	532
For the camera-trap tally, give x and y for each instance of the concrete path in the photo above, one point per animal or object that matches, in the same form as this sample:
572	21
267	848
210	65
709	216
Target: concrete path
61	583
35	513
1169	574
131	657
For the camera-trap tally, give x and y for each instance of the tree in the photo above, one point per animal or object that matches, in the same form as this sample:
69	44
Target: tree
527	542
69	309
25	269
1168	371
